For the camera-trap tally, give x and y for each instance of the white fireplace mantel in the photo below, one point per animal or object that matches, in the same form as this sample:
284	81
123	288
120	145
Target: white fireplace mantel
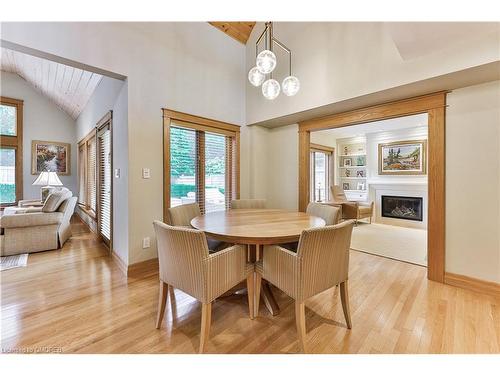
398	188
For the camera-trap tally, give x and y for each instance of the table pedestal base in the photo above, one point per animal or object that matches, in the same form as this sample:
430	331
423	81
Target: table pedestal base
268	298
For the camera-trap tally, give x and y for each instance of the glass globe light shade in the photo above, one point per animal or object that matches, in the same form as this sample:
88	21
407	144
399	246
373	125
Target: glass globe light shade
291	85
266	61
271	89
256	77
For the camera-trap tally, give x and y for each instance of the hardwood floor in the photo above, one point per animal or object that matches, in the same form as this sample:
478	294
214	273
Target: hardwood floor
76	300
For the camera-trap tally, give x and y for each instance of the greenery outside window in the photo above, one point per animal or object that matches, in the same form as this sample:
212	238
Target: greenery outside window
201	162
11	151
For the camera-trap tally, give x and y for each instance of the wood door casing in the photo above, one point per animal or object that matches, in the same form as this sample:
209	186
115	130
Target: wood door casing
432	104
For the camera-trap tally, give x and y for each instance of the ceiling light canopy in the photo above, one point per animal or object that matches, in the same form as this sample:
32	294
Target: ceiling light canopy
265	63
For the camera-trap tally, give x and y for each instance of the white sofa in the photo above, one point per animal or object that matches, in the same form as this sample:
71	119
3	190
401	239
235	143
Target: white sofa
33	229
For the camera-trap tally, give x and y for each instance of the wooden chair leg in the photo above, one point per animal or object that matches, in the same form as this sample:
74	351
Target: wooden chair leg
258	285
206	321
251	293
162	301
300	320
344	296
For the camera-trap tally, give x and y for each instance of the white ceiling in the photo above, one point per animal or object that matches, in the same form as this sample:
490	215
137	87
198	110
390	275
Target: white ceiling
69	88
378	126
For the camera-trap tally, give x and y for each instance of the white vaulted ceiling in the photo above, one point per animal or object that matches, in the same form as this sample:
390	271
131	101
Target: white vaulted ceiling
68	87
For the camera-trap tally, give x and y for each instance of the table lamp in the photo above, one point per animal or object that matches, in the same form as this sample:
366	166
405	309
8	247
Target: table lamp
47	180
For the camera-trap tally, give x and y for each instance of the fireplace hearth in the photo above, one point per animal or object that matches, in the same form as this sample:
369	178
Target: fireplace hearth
405	208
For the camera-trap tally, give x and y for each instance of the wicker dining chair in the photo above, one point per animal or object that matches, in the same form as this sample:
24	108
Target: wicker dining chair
330	214
181	216
186	264
248	203
321	262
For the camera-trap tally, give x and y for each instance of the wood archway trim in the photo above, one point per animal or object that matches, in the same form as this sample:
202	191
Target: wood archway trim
432	104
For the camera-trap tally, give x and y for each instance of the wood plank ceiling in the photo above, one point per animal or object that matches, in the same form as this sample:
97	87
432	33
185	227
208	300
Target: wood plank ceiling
238	30
69	88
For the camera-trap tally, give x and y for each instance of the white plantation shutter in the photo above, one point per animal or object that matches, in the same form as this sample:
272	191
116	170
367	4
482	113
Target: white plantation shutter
91	174
104	182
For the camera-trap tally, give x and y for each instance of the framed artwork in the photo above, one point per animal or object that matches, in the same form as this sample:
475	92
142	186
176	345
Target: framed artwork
345	186
402	158
347	162
50	156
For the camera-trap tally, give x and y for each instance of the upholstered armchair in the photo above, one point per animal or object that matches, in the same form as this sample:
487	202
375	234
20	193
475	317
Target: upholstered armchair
186	264
248	203
321	262
350	209
29	230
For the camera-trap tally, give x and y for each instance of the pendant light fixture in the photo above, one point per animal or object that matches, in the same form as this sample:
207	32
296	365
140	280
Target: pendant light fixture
265	63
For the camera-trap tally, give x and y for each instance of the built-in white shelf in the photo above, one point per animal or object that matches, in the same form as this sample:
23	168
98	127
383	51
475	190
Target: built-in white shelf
354	167
353	178
356	191
350	155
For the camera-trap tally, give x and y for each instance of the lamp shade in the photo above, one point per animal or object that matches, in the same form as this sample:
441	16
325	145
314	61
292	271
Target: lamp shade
48	179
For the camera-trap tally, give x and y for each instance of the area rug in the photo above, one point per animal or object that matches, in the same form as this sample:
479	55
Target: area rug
13	261
406	244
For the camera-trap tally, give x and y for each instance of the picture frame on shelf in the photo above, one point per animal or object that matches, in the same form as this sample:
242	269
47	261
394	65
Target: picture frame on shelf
360	173
346	186
360	186
347	162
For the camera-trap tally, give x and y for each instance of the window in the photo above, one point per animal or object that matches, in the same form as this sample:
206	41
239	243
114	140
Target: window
87	198
201	162
182	166
105	168
95	177
11	155
215	172
321	172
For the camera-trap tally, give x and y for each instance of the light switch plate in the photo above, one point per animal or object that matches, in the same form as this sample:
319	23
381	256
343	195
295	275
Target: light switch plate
146	242
146	173
117	172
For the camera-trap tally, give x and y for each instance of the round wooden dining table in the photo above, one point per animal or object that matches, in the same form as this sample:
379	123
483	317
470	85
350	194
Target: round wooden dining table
257	227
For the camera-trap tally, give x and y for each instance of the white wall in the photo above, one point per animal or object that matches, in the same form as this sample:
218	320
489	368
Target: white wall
337	61
270	156
473	182
112	94
282	167
101	101
120	185
42	120
372	142
189	67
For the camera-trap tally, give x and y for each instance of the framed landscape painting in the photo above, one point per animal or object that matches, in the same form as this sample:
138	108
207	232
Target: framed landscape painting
402	158
50	156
